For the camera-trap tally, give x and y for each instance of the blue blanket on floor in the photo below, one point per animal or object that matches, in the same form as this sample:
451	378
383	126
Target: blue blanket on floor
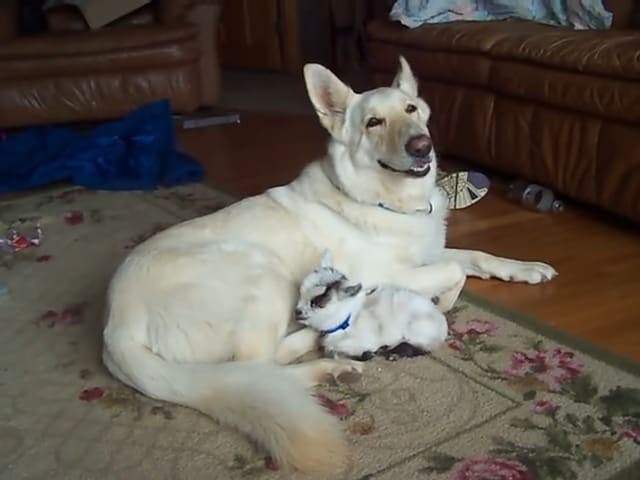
137	152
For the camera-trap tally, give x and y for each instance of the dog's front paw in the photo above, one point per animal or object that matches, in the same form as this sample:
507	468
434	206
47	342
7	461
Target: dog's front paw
529	272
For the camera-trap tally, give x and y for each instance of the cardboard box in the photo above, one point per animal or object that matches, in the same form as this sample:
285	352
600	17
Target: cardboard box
99	13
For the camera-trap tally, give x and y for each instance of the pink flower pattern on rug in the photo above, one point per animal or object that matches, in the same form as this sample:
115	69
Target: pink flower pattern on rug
553	367
629	433
544	407
456	345
474	327
485	468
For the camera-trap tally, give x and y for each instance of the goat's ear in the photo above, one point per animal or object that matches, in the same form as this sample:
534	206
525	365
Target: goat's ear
327	259
405	80
351	290
329	96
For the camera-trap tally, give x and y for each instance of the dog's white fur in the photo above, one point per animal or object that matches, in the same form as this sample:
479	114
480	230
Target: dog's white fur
198	314
356	320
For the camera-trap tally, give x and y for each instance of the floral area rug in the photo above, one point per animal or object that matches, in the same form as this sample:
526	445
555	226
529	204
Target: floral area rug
504	400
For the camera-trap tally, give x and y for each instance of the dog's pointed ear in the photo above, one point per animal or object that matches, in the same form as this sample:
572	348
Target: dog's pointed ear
329	96
327	259
405	80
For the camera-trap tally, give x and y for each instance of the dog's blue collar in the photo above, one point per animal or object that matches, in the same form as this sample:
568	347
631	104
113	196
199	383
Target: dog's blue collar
428	211
343	326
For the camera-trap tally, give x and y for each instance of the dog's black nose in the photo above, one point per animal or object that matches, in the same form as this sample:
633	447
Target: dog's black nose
297	312
419	146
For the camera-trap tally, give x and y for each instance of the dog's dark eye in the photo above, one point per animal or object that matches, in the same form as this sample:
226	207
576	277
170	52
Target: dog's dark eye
321	300
410	108
374	122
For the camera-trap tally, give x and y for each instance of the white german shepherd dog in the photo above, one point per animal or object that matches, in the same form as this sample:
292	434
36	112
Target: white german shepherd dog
198	314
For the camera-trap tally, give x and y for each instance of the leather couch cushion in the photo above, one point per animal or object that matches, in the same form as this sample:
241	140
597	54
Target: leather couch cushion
596	73
453	66
613	53
604	52
95	42
99	51
611	98
454	36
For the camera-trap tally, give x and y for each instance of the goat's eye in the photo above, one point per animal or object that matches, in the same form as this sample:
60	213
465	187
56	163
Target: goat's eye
320	301
374	122
410	108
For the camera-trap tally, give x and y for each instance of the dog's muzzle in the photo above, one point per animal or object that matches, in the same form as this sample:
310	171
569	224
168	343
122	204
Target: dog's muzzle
419	148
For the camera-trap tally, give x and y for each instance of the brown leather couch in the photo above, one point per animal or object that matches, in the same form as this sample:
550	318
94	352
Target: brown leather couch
71	73
553	105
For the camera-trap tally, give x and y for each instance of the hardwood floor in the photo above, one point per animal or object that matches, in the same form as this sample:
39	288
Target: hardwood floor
596	296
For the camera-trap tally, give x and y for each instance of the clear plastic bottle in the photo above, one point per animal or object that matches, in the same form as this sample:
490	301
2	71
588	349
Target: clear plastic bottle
535	197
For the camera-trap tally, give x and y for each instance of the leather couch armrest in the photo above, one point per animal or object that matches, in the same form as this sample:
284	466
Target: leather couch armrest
205	15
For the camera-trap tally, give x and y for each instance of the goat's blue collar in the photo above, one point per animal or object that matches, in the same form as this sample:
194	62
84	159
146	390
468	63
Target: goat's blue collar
343	326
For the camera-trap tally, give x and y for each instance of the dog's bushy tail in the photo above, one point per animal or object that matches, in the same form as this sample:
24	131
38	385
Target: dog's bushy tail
265	401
